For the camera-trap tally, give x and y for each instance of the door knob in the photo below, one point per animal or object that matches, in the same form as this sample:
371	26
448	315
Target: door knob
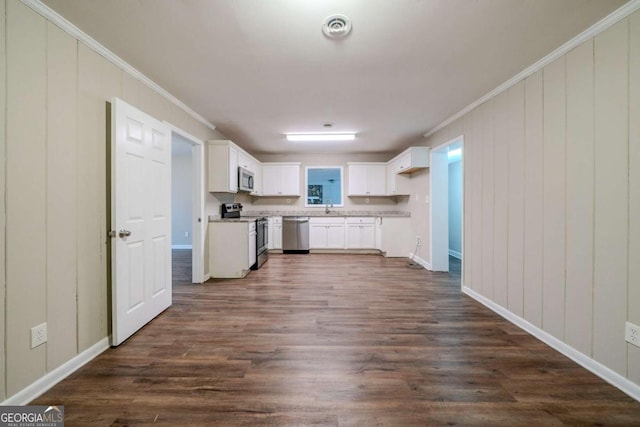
124	233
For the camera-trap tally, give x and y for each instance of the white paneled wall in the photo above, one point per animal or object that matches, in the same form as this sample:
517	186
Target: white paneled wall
579	202
552	197
3	145
25	193
57	93
515	227
61	196
611	228
533	199
501	198
633	303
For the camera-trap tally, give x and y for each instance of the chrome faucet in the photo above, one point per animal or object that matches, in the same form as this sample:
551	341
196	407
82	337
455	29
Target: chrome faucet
326	208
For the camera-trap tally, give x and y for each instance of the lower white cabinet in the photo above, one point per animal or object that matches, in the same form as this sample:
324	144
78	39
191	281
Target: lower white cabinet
326	233
361	233
275	232
232	248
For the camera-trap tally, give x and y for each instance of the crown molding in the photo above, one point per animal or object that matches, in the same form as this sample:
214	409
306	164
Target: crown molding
57	19
616	16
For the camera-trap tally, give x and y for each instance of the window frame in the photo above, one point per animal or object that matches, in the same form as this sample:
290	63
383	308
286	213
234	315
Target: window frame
306	187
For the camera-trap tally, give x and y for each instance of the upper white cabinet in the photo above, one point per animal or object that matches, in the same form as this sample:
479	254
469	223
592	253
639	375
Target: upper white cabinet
223	167
224	158
400	167
281	179
410	160
247	162
397	184
367	179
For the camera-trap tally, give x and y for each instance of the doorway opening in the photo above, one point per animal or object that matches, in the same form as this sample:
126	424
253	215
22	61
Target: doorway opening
447	198
187	204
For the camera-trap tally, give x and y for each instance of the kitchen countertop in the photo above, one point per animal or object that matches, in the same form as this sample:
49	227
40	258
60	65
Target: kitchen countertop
333	213
246	219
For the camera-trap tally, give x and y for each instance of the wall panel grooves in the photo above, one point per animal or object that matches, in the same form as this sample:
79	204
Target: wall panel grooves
579	197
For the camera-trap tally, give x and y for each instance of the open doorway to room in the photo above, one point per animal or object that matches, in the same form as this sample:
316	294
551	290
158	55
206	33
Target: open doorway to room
447	206
187	236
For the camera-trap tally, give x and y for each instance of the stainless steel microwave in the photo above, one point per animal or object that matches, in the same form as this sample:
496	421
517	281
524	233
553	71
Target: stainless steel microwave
245	179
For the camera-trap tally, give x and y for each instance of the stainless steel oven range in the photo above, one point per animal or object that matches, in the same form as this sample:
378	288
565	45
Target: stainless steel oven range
262	242
232	211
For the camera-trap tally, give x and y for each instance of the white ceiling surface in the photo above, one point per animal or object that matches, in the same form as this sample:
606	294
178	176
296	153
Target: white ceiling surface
258	69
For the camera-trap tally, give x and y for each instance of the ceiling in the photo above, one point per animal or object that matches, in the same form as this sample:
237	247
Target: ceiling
257	69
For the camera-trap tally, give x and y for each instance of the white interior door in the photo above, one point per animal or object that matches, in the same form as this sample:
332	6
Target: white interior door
141	219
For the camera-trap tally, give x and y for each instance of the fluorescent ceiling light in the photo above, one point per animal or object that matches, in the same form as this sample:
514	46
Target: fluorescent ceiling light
332	136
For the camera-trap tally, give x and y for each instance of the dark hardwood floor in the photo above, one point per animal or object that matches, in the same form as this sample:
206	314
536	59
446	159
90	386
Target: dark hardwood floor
335	340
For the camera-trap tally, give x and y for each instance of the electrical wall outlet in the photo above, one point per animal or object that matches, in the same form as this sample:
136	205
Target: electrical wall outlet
418	241
38	335
632	334
186	234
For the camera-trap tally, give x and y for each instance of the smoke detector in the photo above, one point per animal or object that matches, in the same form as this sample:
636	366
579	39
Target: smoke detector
336	26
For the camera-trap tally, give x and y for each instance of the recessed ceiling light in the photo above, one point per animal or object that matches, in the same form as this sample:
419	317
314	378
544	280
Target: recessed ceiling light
335	136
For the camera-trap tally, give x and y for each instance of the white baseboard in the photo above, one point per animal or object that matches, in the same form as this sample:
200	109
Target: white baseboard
181	247
455	254
613	378
52	378
425	264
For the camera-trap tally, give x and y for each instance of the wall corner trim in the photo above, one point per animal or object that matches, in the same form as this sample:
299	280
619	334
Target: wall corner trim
606	22
38	387
76	32
613	378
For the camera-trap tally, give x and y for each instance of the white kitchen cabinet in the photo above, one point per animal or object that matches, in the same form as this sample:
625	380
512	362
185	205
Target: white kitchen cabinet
397	184
367	179
275	232
411	160
244	161
280	179
379	233
396	236
232	249
222	167
326	233
361	233
224	157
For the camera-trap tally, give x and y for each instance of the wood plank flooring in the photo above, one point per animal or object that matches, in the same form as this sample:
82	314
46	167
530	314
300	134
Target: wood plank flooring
353	340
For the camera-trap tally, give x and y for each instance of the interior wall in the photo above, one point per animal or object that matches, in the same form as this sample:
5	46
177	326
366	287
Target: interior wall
552	211
3	146
181	197
455	206
57	91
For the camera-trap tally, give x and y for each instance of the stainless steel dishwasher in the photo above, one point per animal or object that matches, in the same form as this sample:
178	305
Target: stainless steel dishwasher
295	234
